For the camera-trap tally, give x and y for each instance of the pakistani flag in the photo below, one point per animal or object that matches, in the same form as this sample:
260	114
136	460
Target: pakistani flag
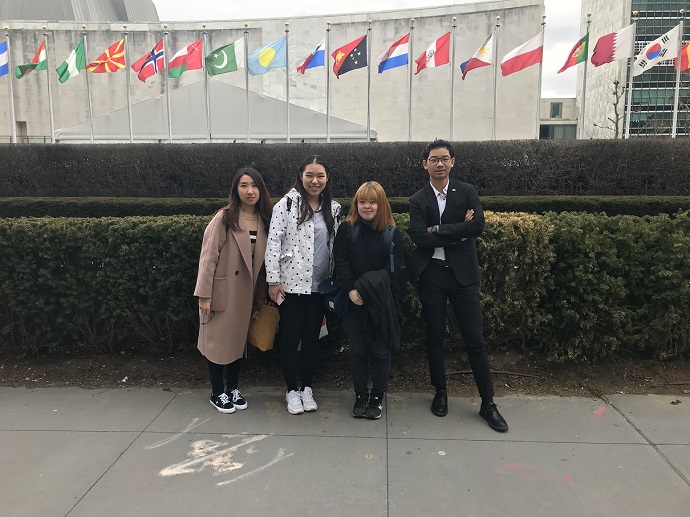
226	59
75	62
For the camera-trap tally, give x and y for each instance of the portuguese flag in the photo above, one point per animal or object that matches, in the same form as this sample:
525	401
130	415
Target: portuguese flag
189	58
578	54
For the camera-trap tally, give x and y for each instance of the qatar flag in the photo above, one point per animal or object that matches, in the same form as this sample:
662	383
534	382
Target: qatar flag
525	55
614	46
437	54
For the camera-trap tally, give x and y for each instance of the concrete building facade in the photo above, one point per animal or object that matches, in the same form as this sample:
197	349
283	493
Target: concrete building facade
517	102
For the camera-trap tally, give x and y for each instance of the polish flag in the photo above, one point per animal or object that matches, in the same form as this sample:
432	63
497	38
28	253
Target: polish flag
525	55
617	45
482	57
437	54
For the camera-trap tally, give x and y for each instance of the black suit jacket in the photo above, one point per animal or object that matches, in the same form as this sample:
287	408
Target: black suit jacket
462	254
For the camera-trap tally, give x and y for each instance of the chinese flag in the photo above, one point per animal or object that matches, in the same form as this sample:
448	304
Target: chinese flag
112	60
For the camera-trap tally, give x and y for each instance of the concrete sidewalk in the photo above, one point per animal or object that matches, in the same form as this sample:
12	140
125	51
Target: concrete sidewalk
149	452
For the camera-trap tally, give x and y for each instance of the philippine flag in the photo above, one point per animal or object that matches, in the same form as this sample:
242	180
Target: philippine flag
482	57
525	55
437	54
661	49
314	59
396	55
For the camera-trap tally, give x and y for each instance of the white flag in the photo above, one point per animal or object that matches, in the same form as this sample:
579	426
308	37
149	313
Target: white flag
661	49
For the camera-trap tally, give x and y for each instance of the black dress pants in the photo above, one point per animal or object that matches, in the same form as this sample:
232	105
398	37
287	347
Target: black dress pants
437	284
363	346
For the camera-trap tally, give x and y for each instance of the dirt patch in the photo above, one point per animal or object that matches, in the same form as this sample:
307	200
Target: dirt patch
514	373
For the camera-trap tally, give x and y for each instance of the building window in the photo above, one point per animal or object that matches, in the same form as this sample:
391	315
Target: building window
558	132
556	109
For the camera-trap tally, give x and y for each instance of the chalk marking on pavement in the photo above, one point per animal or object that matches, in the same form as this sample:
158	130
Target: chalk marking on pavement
278	457
171	439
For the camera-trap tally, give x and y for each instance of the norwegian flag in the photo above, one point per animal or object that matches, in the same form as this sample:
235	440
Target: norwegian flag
151	63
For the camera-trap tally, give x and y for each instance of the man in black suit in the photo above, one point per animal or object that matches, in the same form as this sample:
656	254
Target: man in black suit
445	218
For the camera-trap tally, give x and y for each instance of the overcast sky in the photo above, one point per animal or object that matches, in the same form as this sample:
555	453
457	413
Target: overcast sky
562	23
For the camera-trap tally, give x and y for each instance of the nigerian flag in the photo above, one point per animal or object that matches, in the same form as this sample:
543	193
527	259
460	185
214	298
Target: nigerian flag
75	62
226	59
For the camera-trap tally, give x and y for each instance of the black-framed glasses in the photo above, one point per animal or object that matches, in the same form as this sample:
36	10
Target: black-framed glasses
435	159
213	313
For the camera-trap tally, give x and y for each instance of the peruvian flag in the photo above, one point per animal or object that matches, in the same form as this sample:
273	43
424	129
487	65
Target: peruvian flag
437	54
189	58
617	45
525	55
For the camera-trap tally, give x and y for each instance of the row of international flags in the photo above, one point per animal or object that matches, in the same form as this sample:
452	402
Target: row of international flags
229	58
354	55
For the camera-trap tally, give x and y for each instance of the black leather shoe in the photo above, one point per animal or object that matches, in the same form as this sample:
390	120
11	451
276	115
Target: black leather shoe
493	417
439	406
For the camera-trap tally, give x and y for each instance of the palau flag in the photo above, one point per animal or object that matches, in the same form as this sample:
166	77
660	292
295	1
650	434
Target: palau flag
263	59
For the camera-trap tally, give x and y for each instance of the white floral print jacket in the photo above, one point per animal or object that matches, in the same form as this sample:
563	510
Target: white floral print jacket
290	248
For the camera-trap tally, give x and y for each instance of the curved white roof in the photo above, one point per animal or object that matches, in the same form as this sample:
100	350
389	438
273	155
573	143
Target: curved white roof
79	10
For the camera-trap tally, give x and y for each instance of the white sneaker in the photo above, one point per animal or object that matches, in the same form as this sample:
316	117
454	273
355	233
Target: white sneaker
308	401
294	403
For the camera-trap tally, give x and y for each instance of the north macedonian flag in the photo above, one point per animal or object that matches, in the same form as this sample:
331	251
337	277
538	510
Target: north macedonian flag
112	60
578	54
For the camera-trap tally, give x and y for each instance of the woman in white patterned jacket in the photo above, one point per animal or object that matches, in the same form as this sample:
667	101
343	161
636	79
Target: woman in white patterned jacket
299	255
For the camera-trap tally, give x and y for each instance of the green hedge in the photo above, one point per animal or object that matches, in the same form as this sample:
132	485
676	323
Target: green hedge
137	206
511	168
563	285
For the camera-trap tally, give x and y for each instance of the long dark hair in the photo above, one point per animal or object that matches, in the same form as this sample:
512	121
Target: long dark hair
264	208
306	211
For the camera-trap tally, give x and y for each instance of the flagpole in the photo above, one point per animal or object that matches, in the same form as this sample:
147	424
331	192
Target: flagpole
13	122
541	65
246	75
129	94
495	62
88	84
630	78
50	93
409	91
327	66
166	48
369	83
206	86
452	77
287	83
674	128
581	125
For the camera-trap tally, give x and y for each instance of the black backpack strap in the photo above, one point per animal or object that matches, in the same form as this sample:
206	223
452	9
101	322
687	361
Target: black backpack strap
354	232
388	243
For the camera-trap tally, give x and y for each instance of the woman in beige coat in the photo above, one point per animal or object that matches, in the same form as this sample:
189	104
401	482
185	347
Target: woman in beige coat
231	284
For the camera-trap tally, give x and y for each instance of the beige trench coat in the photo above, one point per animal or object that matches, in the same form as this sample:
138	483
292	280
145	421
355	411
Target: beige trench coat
233	281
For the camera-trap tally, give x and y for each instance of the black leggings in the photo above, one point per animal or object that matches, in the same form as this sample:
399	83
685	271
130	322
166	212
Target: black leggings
300	320
232	374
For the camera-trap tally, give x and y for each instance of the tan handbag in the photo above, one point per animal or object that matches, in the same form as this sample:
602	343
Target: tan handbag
262	330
